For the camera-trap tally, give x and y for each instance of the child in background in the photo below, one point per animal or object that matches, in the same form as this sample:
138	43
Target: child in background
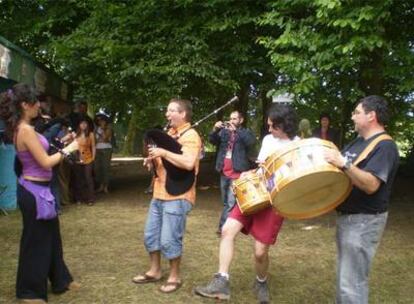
83	169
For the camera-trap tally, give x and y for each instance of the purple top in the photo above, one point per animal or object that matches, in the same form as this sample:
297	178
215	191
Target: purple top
30	166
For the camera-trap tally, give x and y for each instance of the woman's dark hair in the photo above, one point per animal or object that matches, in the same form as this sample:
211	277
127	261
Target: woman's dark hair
11	105
83	118
324	115
284	117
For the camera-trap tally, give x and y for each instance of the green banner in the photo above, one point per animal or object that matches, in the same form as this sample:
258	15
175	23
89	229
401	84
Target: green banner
17	65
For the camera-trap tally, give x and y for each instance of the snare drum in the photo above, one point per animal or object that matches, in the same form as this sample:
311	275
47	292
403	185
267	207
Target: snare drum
302	183
251	193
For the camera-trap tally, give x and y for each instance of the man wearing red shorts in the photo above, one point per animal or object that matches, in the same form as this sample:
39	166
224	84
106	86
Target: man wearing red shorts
264	225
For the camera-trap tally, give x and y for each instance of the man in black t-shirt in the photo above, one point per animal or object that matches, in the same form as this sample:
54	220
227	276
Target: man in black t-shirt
363	215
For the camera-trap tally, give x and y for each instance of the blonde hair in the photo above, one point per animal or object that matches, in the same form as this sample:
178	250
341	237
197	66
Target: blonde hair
305	128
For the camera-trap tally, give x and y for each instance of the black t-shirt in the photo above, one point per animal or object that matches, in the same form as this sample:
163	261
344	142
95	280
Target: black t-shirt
382	162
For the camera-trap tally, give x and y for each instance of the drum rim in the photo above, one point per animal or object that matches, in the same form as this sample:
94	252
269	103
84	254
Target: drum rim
263	205
294	145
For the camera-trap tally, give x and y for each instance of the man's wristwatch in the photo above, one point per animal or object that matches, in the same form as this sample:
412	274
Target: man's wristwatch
347	165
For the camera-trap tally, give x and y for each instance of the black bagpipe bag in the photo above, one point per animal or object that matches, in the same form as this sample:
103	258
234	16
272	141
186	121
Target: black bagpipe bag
178	180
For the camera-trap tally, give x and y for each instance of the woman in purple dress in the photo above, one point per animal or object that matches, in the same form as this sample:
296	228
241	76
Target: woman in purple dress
40	254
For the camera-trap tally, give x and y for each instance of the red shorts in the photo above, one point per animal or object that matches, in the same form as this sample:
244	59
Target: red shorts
264	225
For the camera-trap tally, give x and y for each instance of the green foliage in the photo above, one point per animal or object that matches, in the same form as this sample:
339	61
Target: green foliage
122	55
330	53
134	54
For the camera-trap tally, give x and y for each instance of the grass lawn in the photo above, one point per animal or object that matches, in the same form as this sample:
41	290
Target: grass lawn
103	247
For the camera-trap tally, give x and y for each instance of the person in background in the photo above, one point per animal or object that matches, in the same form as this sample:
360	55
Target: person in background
65	135
103	136
325	131
40	254
362	216
84	188
304	129
235	154
81	112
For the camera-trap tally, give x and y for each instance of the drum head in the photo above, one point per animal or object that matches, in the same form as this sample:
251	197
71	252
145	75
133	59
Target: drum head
312	195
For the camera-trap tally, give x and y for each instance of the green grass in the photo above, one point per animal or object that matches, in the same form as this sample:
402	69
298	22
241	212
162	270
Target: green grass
103	247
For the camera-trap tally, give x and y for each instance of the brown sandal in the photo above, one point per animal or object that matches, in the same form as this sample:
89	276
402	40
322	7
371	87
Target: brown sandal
175	285
145	278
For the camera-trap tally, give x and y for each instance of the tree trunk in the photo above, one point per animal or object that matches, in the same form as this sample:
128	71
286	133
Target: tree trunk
243	104
346	112
265	105
128	148
371	74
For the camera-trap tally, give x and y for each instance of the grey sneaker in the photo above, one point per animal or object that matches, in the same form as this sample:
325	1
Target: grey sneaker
262	292
218	287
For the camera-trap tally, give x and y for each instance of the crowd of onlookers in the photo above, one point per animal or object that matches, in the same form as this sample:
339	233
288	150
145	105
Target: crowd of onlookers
324	131
78	180
87	171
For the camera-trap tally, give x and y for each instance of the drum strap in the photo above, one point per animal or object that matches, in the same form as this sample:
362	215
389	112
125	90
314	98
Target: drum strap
371	147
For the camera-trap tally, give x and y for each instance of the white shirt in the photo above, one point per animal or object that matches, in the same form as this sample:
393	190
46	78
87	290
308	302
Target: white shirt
101	145
271	144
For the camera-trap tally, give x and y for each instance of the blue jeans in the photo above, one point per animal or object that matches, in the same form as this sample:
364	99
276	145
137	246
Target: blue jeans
357	238
227	197
165	227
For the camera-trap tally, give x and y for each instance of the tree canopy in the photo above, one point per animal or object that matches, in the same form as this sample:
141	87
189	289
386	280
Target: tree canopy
130	56
332	52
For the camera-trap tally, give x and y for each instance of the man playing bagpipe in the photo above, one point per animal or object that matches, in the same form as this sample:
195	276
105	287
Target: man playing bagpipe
175	160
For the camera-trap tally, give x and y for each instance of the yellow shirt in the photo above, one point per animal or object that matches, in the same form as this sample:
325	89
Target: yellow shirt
191	144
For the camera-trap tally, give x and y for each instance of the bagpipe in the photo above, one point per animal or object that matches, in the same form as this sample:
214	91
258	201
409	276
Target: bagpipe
178	180
57	145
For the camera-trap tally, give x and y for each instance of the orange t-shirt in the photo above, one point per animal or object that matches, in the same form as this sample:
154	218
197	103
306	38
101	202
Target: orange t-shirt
85	149
191	144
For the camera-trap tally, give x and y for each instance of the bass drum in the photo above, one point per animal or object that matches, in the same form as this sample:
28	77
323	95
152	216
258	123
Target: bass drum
302	184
